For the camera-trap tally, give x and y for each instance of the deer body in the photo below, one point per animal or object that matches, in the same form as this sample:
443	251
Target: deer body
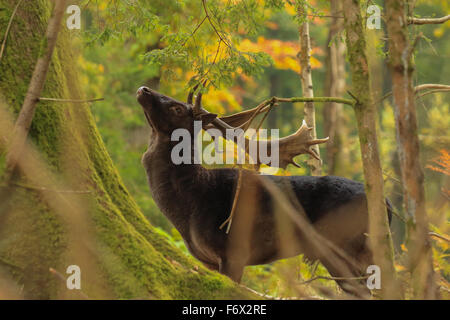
198	200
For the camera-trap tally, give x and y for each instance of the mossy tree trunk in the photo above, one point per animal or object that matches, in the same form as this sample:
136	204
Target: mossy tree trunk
25	117
100	229
365	111
402	69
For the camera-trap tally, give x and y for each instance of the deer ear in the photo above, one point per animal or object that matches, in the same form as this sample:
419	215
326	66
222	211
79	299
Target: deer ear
207	118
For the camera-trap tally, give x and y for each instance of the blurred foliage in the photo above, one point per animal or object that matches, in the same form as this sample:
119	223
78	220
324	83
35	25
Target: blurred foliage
247	50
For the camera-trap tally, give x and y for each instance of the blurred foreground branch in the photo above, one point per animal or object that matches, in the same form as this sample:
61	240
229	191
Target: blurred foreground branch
23	123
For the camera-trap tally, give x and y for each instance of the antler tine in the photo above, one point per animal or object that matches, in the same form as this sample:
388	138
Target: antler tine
198	100
298	143
198	103
191	94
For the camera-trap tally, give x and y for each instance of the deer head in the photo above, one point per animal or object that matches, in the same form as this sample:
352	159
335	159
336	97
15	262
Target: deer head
165	114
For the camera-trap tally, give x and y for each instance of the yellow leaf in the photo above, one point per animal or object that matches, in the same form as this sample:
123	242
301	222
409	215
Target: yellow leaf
438	32
399	267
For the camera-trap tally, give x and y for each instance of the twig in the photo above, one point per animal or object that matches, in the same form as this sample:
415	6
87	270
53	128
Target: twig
70	100
324	16
256	111
9	264
439	236
233	208
195	30
265	115
316	99
392	178
353	96
396	213
314	267
332	278
266	104
25	186
205	75
213	25
9	27
431	86
433	91
421	87
60	277
414	44
245	126
421	21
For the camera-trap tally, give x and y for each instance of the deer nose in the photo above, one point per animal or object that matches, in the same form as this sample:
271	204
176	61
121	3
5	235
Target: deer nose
143	90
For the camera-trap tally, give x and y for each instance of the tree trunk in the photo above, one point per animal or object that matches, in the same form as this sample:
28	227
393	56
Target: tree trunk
365	111
70	207
334	87
26	114
307	85
402	68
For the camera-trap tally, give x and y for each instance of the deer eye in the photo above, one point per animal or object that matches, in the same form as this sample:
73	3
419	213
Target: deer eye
177	110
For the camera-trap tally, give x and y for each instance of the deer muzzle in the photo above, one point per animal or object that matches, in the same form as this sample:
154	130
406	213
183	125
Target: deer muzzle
144	96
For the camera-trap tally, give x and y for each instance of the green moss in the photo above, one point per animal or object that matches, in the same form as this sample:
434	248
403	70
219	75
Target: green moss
43	48
130	259
33	241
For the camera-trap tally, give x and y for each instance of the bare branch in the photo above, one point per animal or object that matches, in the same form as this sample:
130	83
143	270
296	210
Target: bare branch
439	236
240	118
333	278
70	100
8	28
421	87
442	87
205	8
421	21
229	220
433	91
25	186
195	30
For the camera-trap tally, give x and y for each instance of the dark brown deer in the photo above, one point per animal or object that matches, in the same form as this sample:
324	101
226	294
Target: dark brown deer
198	200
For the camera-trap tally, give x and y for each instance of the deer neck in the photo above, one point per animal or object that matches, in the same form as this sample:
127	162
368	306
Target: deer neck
173	187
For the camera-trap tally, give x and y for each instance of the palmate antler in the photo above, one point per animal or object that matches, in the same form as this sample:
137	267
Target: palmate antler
289	147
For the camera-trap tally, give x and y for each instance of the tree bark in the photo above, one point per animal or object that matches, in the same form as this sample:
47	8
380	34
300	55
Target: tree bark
307	84
102	230
334	87
402	69
26	114
379	234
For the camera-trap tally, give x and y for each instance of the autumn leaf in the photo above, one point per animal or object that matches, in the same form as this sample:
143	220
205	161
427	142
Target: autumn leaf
442	163
283	53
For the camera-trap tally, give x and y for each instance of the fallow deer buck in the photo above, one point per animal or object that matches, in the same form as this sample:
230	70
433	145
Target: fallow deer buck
198	200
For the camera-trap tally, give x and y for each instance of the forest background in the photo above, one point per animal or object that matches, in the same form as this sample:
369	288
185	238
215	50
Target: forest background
254	55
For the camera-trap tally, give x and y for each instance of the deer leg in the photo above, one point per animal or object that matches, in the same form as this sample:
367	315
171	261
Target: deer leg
232	269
